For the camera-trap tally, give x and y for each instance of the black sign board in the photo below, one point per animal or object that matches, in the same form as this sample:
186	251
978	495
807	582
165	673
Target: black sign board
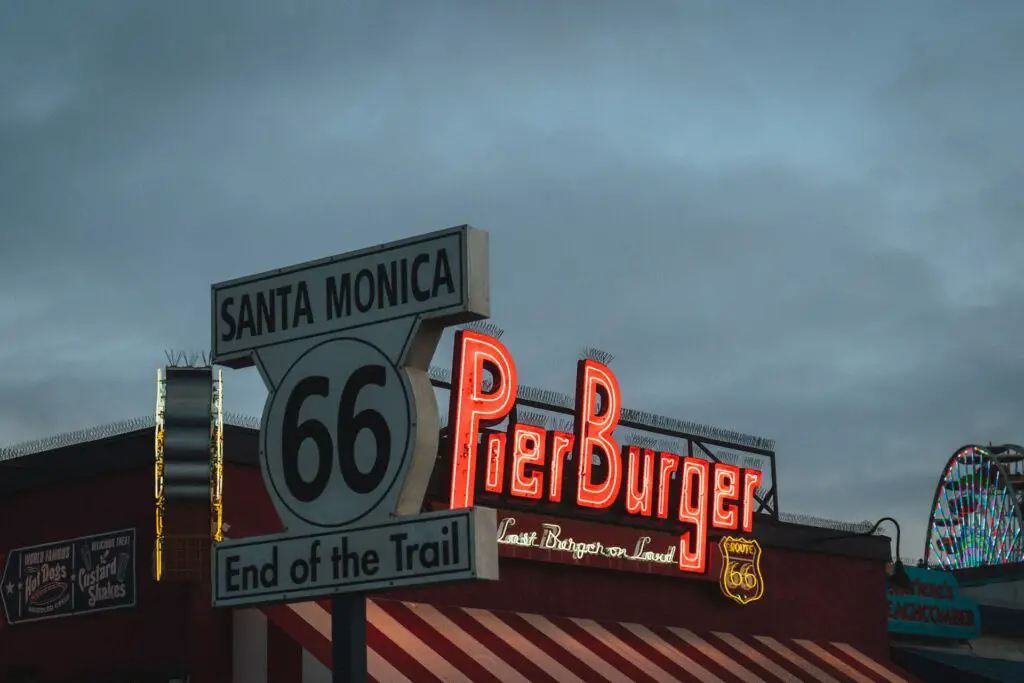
78	576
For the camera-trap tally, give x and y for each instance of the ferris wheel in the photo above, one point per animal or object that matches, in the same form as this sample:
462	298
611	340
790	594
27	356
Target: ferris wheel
976	517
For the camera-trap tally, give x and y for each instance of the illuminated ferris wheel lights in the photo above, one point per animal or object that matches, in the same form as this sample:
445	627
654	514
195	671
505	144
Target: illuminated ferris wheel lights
972	458
962	507
976	516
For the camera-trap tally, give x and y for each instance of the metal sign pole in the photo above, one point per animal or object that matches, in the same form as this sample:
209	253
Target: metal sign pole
348	638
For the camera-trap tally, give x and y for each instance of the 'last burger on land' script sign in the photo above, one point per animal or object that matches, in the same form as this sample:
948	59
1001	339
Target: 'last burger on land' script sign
349	432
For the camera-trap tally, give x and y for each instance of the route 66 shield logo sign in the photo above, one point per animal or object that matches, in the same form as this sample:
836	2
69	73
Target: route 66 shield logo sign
741	578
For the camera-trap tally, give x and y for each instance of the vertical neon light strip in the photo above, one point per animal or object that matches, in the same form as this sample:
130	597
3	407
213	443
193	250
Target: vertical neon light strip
954	548
968	503
217	460
991	498
966	550
943	538
158	448
959	534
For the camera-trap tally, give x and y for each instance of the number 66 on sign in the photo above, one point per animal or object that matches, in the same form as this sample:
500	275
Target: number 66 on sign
337	432
741	579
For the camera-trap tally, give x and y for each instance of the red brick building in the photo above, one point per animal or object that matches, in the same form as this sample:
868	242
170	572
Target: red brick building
551	616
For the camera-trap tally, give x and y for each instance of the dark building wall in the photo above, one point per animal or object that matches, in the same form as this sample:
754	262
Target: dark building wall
798	602
807	595
172	629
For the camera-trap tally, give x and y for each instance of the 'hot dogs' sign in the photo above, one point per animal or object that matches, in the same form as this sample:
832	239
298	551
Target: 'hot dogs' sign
585	470
76	576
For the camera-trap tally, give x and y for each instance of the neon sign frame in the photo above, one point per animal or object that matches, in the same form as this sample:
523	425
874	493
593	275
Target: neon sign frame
533	468
740	578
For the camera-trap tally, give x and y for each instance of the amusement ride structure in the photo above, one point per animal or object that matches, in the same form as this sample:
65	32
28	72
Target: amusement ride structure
976	516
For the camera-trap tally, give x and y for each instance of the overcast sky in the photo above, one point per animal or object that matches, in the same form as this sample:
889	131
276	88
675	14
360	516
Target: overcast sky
802	223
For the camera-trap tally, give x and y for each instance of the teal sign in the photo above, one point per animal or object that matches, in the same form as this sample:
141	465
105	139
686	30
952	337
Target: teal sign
933	607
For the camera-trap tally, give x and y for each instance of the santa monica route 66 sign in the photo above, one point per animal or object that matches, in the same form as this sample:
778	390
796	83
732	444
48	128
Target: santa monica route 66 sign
350	430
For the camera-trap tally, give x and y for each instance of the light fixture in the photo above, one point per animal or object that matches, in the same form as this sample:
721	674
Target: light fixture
899	577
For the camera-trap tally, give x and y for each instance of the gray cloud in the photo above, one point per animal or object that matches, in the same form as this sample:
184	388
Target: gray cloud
801	223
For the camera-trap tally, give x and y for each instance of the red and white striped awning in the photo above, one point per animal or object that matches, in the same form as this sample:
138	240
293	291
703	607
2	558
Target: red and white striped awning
420	643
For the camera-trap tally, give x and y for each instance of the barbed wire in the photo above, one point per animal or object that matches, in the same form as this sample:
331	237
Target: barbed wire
76	437
594	353
484	327
825	523
642	418
177	358
139	423
240	420
105	431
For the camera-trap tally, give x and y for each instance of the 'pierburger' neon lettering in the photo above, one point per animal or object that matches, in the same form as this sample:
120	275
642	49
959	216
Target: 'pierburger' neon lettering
532	464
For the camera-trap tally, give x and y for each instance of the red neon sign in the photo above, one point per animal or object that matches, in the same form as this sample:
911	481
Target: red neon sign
534	465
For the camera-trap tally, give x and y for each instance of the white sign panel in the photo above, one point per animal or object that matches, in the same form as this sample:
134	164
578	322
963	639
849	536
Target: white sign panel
349	433
350	430
430	276
443	546
339	429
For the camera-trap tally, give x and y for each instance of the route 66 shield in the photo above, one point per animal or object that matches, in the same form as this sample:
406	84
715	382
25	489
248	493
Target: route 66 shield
741	578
